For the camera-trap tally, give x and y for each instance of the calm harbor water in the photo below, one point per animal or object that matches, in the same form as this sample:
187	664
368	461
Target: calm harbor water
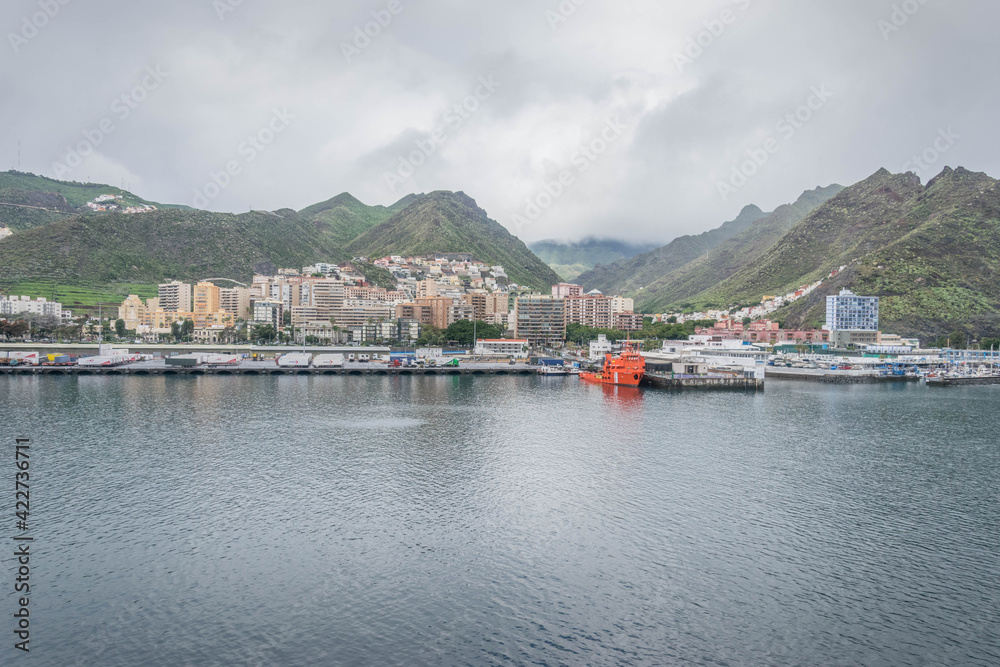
479	520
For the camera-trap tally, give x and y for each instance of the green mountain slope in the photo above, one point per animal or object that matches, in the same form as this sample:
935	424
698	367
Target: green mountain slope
569	260
862	218
151	247
344	218
452	222
632	275
931	253
27	200
672	290
24	209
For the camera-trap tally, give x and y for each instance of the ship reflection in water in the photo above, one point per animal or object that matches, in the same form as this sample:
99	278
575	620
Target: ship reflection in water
626	397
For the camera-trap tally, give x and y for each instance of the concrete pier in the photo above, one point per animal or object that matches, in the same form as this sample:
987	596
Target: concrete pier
702	382
835	377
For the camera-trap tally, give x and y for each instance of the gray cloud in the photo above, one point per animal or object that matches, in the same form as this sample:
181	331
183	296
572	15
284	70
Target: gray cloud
687	123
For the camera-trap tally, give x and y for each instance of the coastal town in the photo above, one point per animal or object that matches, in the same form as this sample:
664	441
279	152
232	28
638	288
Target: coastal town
425	305
420	298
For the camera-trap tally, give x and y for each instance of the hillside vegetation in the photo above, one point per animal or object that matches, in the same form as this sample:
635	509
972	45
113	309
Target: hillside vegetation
344	218
452	222
22	196
151	247
931	253
675	289
632	275
57	249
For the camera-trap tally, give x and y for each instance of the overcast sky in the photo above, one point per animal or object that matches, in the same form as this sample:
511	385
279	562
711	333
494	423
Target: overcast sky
667	98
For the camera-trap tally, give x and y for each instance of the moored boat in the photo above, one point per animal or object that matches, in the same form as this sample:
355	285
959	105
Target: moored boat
625	370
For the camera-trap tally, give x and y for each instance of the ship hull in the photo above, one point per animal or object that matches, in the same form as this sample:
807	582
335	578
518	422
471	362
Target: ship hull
617	378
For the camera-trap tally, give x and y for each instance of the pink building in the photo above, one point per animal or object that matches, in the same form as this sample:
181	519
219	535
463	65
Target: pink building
765	332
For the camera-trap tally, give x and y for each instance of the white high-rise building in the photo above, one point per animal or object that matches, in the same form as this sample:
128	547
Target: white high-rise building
849	312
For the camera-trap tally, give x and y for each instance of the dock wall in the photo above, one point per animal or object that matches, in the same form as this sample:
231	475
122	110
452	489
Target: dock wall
702	383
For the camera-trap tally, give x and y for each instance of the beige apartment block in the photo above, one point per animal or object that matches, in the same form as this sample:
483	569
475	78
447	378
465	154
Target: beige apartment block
175	296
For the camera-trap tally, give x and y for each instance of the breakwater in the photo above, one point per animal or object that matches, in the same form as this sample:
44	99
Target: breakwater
962	381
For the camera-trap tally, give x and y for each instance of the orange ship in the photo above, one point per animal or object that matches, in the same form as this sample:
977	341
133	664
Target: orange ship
626	369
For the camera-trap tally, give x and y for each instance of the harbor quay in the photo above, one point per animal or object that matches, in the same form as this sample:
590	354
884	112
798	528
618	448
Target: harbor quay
866	376
704	382
268	367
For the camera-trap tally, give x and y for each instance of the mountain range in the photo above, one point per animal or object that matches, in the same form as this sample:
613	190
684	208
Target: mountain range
570	259
670	276
930	251
58	242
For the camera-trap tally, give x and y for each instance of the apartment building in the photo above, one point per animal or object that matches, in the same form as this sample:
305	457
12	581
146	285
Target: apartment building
207	309
133	311
41	306
440	310
151	316
411	311
849	312
269	312
627	321
540	319
175	296
589	310
356	312
328	297
622	304
235	300
427	289
567	289
486	304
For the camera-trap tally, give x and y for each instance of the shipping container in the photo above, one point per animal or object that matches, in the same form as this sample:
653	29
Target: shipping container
295	360
28	358
329	361
59	360
102	360
221	359
186	360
